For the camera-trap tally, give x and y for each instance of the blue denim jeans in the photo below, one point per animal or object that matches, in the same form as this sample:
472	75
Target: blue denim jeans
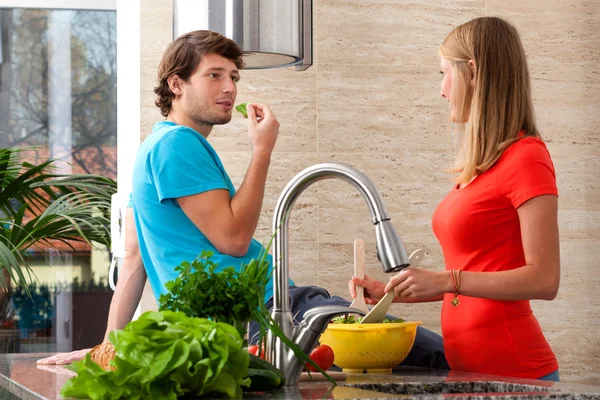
427	351
553	376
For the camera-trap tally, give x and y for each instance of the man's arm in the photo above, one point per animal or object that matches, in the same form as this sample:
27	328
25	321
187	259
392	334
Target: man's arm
130	285
230	223
126	298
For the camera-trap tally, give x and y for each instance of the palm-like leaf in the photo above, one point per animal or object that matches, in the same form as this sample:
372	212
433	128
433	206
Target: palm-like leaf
37	206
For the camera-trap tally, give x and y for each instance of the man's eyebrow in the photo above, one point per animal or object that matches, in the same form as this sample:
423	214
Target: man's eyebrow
221	69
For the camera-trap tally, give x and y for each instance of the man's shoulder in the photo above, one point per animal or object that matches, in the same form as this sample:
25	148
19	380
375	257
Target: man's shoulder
173	146
170	130
174	137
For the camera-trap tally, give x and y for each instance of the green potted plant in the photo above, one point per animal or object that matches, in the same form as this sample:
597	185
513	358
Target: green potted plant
38	206
38	209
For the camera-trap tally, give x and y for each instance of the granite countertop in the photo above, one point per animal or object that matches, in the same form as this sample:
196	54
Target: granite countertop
22	378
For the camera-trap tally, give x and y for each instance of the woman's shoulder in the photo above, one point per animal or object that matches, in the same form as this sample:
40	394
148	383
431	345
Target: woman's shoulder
525	170
525	150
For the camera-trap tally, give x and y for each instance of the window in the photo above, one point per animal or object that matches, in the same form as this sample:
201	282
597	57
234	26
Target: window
58	93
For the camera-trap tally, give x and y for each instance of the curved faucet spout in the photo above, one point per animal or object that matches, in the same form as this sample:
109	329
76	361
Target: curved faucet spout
390	249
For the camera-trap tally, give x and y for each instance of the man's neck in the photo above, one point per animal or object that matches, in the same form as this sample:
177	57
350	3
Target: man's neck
183	120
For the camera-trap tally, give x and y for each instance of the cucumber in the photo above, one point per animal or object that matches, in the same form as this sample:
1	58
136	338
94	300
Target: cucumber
260	364
262	380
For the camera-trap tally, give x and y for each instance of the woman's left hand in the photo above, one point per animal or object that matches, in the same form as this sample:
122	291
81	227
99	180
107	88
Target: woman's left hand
420	284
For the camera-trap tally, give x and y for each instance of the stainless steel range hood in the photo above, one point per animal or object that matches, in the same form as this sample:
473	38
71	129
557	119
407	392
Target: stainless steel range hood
272	33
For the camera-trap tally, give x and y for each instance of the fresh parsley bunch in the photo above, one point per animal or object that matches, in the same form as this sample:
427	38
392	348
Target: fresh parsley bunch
229	296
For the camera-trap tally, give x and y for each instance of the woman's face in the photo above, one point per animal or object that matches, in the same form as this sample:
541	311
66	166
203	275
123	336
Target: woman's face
449	78
446	88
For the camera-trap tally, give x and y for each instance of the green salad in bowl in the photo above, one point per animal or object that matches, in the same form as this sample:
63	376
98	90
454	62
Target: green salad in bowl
351	319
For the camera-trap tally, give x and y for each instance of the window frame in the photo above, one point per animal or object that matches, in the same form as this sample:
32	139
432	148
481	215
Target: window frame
128	85
128	71
62	4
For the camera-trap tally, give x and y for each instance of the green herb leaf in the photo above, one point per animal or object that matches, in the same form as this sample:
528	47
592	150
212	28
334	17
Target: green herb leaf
242	109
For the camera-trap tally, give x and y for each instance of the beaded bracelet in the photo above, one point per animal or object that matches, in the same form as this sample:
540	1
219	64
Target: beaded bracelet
455	274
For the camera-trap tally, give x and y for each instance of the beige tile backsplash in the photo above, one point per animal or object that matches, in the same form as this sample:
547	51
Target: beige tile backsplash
372	101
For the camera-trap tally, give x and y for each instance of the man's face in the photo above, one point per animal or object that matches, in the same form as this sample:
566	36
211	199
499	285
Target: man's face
209	95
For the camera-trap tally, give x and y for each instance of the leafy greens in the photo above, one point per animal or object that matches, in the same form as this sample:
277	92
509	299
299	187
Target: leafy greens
166	355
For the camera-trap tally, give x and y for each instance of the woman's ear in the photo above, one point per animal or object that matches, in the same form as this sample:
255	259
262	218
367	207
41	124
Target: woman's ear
473	71
175	83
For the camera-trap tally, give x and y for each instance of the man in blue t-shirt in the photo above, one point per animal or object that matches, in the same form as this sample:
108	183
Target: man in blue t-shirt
183	201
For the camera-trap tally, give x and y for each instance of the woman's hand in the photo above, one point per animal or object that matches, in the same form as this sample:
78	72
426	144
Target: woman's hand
411	285
374	290
414	283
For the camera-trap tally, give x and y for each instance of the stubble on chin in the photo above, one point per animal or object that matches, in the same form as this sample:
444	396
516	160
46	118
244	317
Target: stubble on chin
211	119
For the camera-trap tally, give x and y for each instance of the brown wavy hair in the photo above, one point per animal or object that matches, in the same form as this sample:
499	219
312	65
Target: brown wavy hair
183	56
496	98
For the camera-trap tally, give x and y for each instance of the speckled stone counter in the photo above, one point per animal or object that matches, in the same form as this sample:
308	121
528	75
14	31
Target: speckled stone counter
21	378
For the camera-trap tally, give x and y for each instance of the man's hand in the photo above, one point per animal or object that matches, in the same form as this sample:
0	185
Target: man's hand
64	358
263	128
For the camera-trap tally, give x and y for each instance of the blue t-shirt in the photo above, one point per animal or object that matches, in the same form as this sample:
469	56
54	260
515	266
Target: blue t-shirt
176	161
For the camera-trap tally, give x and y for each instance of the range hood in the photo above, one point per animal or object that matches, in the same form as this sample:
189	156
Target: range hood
272	33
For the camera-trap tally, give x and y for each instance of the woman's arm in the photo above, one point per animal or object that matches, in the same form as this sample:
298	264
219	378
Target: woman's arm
538	279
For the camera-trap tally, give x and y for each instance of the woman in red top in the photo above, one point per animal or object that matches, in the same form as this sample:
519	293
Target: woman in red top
498	226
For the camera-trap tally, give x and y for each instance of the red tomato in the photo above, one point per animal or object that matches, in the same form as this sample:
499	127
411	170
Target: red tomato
323	356
314	392
254	350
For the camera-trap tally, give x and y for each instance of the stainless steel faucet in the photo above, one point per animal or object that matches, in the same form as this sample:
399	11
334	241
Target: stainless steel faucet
390	251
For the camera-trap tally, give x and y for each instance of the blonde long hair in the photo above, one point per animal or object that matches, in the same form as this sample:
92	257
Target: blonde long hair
496	100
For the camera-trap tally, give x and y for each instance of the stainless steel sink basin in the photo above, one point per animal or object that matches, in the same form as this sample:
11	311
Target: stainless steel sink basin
454	388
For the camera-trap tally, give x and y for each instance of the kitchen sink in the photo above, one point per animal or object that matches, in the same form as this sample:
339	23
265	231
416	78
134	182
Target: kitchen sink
476	387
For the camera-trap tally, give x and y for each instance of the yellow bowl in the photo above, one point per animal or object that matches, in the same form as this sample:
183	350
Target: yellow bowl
375	348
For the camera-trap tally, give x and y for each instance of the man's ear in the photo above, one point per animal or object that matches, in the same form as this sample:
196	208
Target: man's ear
473	71
175	83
